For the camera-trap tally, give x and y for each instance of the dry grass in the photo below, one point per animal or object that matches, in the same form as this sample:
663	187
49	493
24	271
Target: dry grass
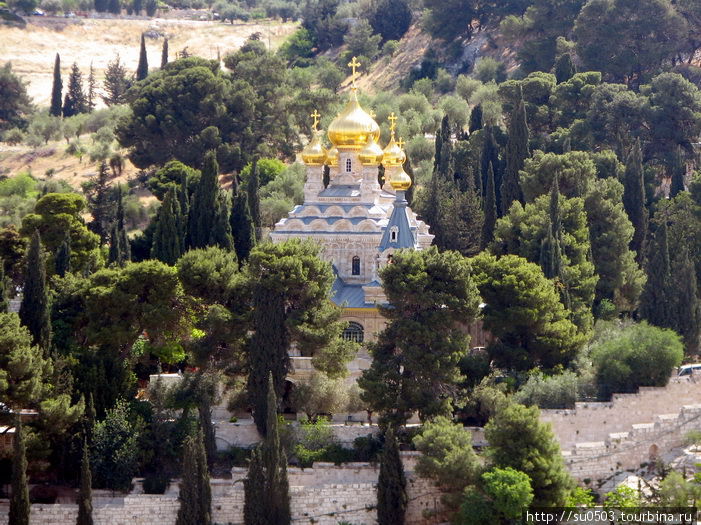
97	41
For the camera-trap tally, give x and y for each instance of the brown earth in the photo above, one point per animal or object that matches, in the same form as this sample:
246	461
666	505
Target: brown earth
98	41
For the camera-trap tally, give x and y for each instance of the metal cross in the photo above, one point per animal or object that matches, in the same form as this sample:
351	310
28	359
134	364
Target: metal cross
354	64
392	122
315	116
400	143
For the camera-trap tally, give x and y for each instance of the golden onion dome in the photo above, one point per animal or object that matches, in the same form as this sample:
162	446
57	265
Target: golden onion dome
393	154
332	157
314	153
353	126
400	181
371	154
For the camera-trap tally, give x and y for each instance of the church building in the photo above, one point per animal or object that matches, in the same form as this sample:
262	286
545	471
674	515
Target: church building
358	221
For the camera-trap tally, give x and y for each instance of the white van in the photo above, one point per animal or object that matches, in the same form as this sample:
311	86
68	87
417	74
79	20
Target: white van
687	370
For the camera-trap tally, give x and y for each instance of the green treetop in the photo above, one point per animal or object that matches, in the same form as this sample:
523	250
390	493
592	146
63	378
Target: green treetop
35	310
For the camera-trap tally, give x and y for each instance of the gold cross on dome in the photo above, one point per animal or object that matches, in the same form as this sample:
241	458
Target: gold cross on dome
315	116
400	143
372	114
354	64
392	122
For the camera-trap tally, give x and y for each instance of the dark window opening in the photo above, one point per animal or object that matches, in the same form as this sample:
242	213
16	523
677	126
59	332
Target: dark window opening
355	266
354	332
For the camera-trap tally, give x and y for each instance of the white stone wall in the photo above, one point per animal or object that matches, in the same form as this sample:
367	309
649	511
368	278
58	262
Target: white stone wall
322	495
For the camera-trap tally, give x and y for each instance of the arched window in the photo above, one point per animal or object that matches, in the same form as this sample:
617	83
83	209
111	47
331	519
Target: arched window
349	165
355	266
354	332
393	233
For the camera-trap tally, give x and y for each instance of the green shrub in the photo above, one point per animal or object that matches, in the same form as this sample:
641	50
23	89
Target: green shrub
13	136
333	453
367	448
557	391
634	356
156	484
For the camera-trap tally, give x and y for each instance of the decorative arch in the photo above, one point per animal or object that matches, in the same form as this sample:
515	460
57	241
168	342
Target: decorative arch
342	225
354	332
357	211
334	211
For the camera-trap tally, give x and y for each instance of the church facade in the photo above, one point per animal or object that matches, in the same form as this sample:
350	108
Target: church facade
358	222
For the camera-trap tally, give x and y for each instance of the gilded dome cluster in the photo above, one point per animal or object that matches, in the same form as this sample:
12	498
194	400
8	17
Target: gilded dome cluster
356	130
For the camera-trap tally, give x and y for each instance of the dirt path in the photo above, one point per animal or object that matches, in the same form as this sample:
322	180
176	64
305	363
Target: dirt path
97	41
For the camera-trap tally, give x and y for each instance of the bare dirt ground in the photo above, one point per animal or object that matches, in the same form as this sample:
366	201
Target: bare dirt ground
98	41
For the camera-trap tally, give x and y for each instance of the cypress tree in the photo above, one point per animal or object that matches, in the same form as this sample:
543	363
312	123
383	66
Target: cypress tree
686	313
443	161
254	486
208	221
137	6
63	257
164	53
391	484
142	68
114	7
547	254
252	187
204	410
490	210
168	243
655	301
57	89
19	501
85	495
678	173
92	84
634	200
564	68
195	492
4	297
101	5
75	101
90	417
34	311
268	351
516	154
242	227
277	490
490	155
556	269
120	249
475	119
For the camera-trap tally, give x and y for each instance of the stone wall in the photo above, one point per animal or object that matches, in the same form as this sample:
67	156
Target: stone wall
600	439
323	495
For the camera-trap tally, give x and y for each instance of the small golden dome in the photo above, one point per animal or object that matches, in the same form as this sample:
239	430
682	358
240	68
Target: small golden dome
314	153
371	154
393	154
353	127
332	157
400	181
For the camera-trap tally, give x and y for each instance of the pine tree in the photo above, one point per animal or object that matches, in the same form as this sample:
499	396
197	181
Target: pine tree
564	68
195	491
242	227
75	101
142	68
686	313
57	89
443	160
634	200
63	257
85	495
490	155
19	500
516	154
252	187
208	221
277	493
168	242
164	53
678	173
4	298
116	83
490	210
34	311
475	119
92	85
391	484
